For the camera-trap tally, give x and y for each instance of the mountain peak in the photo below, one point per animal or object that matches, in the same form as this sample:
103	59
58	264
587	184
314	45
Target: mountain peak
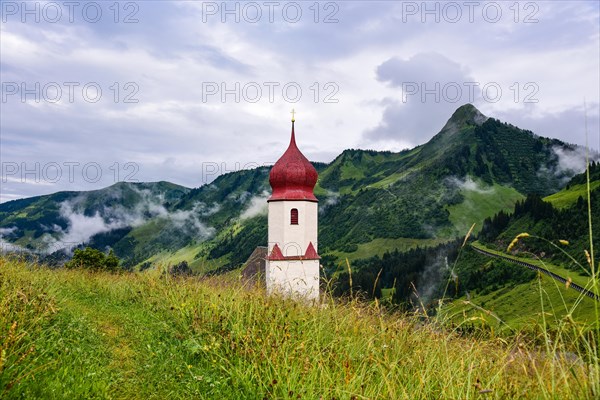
464	116
467	114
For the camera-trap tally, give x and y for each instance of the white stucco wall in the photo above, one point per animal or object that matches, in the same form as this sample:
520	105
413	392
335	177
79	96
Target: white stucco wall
294	278
293	239
299	278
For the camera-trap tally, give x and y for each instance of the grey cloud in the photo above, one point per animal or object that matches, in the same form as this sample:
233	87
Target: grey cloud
257	205
82	227
170	52
468	184
572	161
569	162
331	199
416	119
422	67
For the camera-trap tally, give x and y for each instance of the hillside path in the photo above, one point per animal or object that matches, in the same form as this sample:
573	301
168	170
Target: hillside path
138	355
486	252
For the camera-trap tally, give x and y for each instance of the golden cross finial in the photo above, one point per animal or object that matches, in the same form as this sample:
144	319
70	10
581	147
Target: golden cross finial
293	115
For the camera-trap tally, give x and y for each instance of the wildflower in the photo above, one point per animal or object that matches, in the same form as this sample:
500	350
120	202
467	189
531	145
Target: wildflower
587	256
564	242
468	235
512	244
516	240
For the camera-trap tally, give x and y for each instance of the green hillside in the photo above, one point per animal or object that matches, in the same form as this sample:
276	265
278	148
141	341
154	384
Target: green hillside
422	274
578	277
525	306
566	197
68	334
370	202
481	204
548	221
518	304
576	188
37	221
553	234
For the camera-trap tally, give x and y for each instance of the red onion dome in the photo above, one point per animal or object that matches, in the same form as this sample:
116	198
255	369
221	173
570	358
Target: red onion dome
293	177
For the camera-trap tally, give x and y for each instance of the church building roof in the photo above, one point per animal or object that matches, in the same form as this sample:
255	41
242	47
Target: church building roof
293	177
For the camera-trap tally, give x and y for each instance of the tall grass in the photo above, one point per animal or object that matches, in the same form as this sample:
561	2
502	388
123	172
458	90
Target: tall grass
595	348
76	334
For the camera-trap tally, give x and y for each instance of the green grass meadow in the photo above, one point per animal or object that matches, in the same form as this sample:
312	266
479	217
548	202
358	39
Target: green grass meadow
72	334
481	204
566	197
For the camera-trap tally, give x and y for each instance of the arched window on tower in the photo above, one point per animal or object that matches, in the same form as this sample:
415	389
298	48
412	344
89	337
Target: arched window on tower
294	216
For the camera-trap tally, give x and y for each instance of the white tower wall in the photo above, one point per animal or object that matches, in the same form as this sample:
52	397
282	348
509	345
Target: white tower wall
293	239
293	277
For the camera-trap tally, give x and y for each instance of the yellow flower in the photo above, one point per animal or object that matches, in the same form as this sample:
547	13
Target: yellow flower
468	235
516	240
564	242
587	256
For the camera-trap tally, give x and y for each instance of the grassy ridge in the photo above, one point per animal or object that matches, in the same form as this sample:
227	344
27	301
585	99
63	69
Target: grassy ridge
567	197
576	276
74	334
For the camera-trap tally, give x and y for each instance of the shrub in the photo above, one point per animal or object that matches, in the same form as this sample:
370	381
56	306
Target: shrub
94	260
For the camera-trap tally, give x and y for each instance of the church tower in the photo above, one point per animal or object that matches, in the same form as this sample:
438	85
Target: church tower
292	266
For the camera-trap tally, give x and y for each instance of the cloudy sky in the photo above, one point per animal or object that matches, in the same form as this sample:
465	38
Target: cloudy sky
97	92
